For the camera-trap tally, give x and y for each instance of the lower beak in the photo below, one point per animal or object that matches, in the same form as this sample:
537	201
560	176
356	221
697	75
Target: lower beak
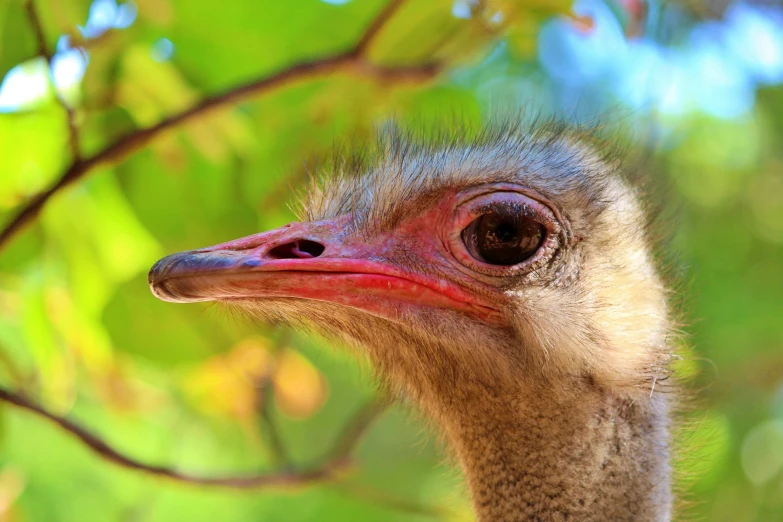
297	261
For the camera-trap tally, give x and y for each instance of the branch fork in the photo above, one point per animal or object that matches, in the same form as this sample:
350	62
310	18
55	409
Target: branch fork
354	60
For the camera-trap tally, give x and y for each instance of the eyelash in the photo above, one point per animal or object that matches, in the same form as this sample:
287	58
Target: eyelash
514	210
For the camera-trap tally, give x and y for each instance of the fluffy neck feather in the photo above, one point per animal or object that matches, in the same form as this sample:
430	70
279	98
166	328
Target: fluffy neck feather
537	449
535	455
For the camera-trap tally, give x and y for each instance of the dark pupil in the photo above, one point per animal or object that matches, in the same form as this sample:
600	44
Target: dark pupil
503	240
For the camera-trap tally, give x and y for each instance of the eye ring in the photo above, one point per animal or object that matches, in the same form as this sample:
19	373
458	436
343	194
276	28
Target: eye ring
534	226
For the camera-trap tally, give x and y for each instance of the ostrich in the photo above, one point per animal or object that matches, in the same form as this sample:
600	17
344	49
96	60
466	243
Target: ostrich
502	280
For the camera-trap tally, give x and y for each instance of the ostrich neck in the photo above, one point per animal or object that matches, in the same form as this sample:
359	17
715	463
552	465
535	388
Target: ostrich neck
534	455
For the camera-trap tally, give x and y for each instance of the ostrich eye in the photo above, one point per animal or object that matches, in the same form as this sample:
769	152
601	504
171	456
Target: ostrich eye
500	238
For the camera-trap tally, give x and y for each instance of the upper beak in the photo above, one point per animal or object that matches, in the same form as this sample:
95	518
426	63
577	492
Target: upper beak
316	261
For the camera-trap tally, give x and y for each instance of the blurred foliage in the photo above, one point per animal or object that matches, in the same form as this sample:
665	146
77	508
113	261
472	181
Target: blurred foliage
194	387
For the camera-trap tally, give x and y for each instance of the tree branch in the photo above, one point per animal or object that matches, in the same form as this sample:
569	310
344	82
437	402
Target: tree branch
40	37
336	460
353	61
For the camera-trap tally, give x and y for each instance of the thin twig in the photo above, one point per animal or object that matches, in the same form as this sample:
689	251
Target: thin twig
277	448
362	47
353	61
14	372
35	22
335	461
266	394
376	497
352	432
43	50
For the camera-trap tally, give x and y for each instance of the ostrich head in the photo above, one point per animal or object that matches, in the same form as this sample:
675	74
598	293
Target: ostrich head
495	276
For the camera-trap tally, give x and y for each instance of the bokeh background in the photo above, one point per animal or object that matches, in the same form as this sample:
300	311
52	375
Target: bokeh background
697	83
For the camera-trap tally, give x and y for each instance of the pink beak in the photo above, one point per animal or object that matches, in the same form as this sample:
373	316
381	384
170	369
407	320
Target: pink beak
316	261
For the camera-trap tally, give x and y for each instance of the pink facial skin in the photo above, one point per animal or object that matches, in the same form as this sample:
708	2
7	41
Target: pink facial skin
323	261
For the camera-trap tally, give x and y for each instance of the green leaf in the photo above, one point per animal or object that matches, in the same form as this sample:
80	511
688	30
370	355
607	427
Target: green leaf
17	41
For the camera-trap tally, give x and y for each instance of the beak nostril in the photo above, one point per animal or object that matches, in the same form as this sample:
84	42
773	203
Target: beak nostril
298	249
310	247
